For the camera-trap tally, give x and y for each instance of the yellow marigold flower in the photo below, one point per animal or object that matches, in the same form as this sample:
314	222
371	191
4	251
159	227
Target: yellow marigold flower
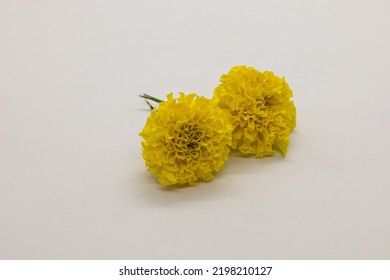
186	139
260	109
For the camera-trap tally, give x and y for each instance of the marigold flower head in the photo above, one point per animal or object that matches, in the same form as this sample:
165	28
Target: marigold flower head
260	109
186	139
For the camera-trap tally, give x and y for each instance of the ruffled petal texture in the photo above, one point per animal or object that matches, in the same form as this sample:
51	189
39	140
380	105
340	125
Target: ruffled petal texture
259	107
186	140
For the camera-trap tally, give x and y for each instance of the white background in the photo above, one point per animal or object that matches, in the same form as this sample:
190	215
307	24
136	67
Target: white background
73	184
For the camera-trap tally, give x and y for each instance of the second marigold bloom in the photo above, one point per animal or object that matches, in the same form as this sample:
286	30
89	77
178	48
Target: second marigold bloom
186	139
260	109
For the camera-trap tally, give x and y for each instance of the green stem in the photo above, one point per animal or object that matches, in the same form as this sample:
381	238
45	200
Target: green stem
150	105
149	97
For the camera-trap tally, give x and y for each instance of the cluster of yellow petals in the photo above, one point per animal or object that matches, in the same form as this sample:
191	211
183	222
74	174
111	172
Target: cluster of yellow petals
186	140
259	107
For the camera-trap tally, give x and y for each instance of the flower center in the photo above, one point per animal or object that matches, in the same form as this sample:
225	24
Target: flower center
190	136
187	142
